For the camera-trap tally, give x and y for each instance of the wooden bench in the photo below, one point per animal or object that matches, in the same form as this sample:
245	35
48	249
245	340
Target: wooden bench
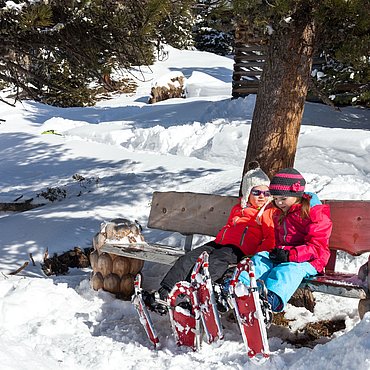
205	214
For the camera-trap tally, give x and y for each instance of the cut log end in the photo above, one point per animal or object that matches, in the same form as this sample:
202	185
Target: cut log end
363	307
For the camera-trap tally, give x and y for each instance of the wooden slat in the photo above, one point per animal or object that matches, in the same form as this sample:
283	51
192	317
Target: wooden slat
245	58
144	251
248	65
351	225
244	91
245	84
243	37
190	213
341	284
249	48
241	89
247	73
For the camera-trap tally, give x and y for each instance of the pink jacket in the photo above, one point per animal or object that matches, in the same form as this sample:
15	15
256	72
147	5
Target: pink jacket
244	231
306	239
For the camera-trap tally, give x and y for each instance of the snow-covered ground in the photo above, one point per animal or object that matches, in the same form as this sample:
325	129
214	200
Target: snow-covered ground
126	149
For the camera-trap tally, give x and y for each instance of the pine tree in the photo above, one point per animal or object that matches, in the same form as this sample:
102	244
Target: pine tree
53	51
214	26
177	24
294	31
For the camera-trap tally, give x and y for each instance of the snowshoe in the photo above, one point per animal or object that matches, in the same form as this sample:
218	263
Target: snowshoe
145	319
184	315
202	284
249	314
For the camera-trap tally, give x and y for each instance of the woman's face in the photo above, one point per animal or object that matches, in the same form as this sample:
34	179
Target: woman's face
259	195
284	203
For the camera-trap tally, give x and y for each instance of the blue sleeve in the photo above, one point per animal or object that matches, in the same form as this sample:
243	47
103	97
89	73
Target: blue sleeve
314	201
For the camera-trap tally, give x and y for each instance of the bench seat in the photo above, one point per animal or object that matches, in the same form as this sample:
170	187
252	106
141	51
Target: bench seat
152	252
337	283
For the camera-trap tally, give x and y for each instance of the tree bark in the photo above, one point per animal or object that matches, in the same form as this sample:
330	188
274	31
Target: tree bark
282	92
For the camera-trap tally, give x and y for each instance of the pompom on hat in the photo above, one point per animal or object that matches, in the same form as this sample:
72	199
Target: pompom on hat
254	177
288	182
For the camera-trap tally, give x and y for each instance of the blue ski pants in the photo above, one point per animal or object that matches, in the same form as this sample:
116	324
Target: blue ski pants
283	279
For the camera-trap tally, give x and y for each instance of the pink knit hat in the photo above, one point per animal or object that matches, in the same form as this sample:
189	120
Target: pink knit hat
288	182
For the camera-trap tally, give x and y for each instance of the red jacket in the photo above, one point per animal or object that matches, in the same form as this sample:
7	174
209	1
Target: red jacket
307	239
243	230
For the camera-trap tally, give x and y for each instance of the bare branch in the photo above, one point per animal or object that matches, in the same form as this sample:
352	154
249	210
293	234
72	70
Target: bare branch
19	269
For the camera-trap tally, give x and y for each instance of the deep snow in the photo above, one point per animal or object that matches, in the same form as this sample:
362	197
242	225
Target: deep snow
126	149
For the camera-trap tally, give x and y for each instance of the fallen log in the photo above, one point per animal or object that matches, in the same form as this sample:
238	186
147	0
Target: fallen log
18	207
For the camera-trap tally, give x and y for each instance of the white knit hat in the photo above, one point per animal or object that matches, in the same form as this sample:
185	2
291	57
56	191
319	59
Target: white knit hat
254	177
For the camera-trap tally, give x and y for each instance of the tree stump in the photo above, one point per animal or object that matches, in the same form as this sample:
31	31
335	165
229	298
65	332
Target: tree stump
112	273
171	85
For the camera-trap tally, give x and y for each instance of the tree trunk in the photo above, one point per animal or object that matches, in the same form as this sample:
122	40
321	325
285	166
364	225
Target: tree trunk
282	93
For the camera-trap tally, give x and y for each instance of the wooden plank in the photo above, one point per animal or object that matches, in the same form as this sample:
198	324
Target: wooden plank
340	291
336	283
247	73
245	89
252	81
246	83
244	92
351	225
144	251
249	64
244	37
190	213
247	48
246	55
245	58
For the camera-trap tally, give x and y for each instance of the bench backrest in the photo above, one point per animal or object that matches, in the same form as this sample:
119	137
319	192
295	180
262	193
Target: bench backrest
190	213
205	214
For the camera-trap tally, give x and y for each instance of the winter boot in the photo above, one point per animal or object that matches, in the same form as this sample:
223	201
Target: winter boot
221	298
156	301
265	303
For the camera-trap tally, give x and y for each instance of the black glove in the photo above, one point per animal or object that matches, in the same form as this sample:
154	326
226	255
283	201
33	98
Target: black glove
278	255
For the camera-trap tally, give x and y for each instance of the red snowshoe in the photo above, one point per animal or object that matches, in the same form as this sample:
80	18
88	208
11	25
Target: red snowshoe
145	319
201	282
247	306
184	315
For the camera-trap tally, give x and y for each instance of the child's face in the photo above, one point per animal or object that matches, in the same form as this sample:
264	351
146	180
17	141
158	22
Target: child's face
284	203
259	200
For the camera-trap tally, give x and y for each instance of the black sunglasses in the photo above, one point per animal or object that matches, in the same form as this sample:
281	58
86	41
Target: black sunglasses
256	192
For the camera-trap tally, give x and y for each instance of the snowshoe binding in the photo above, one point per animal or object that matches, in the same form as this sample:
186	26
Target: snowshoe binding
155	302
265	305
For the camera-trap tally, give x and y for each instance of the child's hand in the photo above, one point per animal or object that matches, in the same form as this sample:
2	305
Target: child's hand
278	255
